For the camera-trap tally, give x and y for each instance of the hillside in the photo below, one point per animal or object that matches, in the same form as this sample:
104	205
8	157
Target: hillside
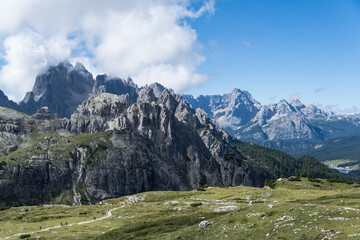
293	210
272	164
337	148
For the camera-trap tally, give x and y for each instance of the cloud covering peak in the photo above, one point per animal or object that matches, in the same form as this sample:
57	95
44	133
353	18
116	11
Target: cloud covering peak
147	40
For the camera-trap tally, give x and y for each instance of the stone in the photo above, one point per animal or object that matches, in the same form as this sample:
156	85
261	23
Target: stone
204	224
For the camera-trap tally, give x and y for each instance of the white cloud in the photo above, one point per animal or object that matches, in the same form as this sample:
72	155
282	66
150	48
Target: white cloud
178	76
29	53
146	40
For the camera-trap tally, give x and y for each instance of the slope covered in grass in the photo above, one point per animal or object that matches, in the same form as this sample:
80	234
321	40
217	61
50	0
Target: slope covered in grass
293	210
336	148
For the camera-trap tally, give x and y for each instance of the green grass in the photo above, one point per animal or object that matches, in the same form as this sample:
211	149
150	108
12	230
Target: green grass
293	210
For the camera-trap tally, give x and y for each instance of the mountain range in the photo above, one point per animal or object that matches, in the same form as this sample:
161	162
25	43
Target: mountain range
289	126
121	139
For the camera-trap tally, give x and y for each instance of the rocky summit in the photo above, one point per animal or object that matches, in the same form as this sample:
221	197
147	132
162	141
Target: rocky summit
61	88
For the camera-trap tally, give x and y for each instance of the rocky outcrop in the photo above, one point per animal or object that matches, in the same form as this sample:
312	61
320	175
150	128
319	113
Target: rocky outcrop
44	114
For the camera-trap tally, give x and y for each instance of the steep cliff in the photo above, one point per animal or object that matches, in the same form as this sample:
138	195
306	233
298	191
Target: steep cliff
61	88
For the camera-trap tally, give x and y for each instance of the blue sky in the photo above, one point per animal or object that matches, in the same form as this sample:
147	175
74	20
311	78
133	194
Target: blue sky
275	49
283	49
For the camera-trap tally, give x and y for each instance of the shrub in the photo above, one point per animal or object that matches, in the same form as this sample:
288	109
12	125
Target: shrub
4	208
25	236
339	180
196	204
292	178
270	183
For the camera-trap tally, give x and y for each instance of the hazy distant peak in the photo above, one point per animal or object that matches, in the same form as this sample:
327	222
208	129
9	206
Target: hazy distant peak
297	104
64	64
80	67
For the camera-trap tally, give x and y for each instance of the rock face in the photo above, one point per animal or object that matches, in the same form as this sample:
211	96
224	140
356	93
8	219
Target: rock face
112	146
44	114
62	88
280	121
230	110
294	127
115	86
5	102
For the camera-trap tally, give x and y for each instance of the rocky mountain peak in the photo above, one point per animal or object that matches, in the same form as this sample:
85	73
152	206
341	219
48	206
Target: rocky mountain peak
229	110
5	102
104	83
80	67
284	107
61	88
236	91
168	99
296	103
146	94
313	112
157	88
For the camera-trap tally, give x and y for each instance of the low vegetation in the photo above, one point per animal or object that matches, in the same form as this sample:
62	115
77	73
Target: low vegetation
336	148
303	209
272	164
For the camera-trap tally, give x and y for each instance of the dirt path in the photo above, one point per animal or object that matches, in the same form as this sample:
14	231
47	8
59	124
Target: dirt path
108	214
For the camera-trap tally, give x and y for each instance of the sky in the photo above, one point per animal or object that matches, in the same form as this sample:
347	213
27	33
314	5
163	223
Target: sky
279	49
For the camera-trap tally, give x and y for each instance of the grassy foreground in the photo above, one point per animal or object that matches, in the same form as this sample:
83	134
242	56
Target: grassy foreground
293	210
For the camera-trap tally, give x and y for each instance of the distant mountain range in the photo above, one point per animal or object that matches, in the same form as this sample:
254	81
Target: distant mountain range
289	126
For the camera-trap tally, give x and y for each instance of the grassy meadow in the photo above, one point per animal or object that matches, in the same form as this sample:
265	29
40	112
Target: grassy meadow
293	210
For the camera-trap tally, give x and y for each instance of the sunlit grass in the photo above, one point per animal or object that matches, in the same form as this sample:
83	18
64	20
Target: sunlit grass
293	210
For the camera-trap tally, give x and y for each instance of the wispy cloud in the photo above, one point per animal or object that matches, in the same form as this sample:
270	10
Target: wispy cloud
273	99
247	44
338	110
295	96
321	89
